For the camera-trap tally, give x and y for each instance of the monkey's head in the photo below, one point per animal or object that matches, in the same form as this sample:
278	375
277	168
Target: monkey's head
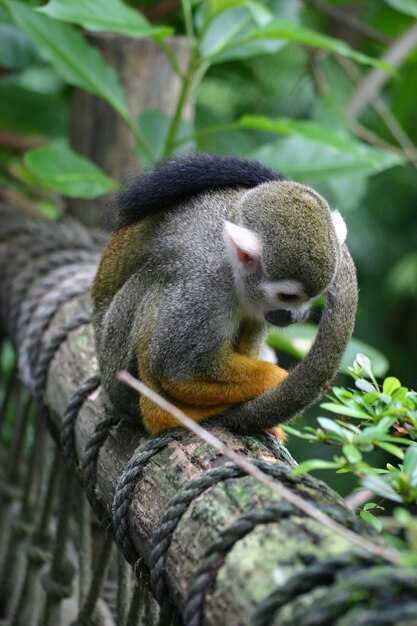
284	250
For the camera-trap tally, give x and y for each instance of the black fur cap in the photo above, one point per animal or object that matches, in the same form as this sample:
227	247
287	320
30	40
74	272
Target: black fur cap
178	178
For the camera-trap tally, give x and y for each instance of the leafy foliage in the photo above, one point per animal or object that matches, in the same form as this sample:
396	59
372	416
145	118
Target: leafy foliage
385	418
68	172
218	32
68	51
99	15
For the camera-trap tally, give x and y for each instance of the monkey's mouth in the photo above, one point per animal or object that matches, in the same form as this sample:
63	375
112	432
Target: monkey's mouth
285	317
280	317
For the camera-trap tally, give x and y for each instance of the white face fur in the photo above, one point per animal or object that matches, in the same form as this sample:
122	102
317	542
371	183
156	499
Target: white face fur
245	251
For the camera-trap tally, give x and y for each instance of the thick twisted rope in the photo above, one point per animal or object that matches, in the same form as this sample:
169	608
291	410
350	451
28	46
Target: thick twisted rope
84	389
62	266
89	465
67	230
218	551
50	349
22	257
347	576
126	486
178	506
76	286
315	575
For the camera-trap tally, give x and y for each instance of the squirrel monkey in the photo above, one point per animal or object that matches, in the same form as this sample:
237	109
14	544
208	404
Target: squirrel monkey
207	251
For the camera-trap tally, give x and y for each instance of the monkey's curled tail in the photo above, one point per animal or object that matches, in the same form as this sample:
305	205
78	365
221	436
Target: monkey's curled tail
304	383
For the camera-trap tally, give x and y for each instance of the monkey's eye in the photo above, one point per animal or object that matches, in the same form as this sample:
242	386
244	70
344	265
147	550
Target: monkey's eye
287	297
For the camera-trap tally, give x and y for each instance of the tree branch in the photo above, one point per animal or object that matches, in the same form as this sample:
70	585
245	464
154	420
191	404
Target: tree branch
370	86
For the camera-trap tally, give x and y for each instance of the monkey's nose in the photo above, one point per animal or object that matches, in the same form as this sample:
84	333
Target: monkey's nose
279	317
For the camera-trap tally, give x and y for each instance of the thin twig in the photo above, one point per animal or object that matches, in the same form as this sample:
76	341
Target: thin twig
374	139
388	554
409	150
355	500
395	128
369	88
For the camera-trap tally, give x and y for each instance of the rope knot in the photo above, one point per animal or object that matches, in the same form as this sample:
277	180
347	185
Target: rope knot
59	585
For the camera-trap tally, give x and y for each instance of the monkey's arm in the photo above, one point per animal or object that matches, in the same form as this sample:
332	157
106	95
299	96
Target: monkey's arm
303	384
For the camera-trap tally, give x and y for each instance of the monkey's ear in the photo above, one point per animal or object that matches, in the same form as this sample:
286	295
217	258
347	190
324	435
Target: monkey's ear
339	226
245	246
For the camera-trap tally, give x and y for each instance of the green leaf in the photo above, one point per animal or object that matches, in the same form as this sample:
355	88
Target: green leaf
364	362
405	6
410	463
289	31
372	505
300	157
390	385
370	434
63	170
232	26
277	31
102	15
371	520
398	440
391	448
352	454
370	398
330	426
340	409
400	393
354	429
221	31
365	385
385	423
313	464
259	12
307	129
218	6
381	487
342	394
76	60
298	433
16	50
380	363
48	113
